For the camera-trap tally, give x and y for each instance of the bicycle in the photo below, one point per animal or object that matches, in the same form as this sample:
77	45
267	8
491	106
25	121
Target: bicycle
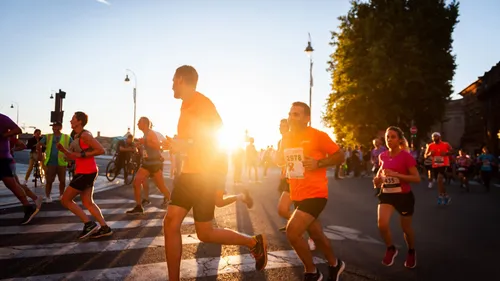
132	166
38	175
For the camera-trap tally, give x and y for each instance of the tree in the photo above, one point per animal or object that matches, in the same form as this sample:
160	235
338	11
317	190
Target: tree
392	64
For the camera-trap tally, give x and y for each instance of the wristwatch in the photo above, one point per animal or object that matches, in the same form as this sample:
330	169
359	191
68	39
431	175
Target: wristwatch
83	154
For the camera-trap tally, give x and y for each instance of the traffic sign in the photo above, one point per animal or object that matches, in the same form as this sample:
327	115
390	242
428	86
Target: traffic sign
413	130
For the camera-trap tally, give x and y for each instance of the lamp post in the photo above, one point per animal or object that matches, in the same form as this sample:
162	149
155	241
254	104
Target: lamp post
309	50
135	96
17	107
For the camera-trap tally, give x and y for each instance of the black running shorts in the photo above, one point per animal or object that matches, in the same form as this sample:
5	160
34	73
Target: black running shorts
404	203
439	170
195	191
5	168
83	181
152	168
312	206
284	186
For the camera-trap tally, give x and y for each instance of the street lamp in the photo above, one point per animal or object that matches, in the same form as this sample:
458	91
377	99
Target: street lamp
17	107
309	50
127	80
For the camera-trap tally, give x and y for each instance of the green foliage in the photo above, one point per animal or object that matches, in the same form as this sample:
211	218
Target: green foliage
392	63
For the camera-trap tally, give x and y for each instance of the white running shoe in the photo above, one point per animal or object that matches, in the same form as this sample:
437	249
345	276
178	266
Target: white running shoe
48	199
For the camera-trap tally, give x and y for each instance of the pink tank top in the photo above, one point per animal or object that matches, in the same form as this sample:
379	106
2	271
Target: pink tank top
85	165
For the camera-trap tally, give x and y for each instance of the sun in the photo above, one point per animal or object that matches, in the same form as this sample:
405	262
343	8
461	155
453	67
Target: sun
228	140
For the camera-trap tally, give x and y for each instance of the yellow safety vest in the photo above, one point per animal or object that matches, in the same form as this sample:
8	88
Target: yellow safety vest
64	141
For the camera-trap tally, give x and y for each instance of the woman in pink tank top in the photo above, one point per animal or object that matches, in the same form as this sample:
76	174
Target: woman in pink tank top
397	170
83	150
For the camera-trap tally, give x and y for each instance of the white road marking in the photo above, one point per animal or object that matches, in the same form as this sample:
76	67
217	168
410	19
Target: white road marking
54	214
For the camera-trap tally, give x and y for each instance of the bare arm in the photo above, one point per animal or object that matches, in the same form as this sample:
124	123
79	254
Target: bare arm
334	159
97	148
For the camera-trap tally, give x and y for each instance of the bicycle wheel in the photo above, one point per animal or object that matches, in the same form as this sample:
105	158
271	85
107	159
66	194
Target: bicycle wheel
36	174
132	170
111	171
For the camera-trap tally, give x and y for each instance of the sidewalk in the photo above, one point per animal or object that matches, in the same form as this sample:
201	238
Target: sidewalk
7	199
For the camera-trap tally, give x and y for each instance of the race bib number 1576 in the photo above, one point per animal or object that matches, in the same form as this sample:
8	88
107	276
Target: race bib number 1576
294	166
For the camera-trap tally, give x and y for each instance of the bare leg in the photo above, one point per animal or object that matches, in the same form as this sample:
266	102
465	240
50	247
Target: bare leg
67	201
88	202
160	183
173	241
11	184
140	178
297	226
384	216
408	231
322	242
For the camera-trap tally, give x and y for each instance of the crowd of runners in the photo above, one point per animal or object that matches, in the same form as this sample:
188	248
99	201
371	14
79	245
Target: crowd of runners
303	153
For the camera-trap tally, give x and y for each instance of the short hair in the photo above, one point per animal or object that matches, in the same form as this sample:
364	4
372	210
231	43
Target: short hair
130	136
82	117
37	130
188	74
146	119
307	109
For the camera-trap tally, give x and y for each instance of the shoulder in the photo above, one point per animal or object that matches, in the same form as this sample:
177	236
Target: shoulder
86	135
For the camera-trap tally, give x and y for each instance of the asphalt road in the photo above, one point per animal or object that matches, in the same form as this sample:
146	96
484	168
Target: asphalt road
456	242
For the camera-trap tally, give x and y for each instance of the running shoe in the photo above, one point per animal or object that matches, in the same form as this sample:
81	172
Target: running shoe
103	231
138	209
318	276
336	271
29	214
259	252
411	259
390	255
88	229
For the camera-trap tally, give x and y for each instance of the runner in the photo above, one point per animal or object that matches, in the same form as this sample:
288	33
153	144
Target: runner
486	161
17	145
307	152
55	162
8	129
220	186
285	202
378	148
152	165
397	170
84	148
440	152
198	125
428	167
463	168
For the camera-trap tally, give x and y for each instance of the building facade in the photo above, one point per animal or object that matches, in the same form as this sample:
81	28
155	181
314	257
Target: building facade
452	125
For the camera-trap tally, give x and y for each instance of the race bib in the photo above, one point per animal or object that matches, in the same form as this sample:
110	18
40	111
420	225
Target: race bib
144	154
439	160
391	185
294	166
462	169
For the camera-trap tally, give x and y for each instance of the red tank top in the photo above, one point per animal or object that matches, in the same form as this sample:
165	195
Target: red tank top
85	165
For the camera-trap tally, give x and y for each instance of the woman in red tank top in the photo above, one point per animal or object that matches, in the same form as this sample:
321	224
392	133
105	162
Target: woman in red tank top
82	150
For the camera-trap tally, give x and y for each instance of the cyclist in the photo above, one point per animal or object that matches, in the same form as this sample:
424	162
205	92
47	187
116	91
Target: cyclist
124	152
34	154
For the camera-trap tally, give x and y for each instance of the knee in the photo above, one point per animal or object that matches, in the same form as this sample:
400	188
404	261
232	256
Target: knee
169	225
65	201
293	235
383	225
204	236
283	211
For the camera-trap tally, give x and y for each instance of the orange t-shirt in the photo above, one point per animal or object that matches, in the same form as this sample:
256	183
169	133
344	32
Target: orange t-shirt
310	143
437	159
199	123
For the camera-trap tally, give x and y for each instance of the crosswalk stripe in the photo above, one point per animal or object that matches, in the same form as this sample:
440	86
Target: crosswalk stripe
55	214
57	249
191	268
46	228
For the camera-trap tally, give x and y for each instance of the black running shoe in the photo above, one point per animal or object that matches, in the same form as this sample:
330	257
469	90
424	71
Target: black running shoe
248	198
103	231
136	210
335	271
259	252
88	228
29	214
318	276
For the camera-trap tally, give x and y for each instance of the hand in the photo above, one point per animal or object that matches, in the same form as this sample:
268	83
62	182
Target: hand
377	182
60	147
389	173
310	163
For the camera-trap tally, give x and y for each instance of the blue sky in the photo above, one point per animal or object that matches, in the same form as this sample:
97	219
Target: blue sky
249	55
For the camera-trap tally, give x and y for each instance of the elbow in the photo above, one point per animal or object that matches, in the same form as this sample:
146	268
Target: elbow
99	151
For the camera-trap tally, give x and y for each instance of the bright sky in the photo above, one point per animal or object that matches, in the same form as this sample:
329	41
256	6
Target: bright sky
249	55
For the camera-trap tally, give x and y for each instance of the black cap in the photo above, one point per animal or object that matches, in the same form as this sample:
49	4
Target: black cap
56	124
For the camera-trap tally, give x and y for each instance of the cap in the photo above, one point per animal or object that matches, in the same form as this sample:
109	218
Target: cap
56	124
436	134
